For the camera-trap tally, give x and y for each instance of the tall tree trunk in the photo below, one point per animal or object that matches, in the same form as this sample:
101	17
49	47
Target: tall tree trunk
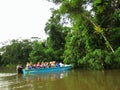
99	30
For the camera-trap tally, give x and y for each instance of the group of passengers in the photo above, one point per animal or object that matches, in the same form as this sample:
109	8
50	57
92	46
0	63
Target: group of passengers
43	65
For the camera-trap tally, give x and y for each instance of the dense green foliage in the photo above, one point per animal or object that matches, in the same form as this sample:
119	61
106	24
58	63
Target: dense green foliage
16	53
91	40
57	33
38	52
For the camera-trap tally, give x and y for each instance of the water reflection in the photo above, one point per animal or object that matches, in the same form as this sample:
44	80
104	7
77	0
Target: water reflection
37	81
6	79
46	76
7	74
72	80
96	80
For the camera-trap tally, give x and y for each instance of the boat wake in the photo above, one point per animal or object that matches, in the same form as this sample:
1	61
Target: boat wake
7	74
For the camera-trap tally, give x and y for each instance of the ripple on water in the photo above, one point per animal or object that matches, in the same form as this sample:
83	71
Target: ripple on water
4	79
7	74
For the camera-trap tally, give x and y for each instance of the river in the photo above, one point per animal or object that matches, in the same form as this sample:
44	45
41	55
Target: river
70	80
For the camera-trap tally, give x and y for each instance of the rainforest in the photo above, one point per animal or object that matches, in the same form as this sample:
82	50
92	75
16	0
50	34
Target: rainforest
85	33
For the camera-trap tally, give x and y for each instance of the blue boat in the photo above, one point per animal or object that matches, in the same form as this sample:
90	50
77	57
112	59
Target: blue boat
46	70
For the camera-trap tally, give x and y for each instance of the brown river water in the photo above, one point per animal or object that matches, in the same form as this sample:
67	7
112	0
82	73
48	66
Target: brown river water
69	80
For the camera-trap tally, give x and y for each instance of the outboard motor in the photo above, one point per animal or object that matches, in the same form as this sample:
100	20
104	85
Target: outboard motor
19	69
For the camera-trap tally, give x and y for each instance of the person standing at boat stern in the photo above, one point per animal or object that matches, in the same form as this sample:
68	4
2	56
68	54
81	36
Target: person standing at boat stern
19	69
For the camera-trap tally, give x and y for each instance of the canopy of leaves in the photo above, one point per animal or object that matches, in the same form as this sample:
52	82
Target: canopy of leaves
16	53
93	34
76	35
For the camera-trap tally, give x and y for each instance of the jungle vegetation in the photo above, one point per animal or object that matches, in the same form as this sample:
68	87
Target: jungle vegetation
85	33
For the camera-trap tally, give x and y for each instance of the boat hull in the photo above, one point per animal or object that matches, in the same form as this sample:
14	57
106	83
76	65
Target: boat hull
46	70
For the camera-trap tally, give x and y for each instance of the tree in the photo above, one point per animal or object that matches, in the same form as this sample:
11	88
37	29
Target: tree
38	52
94	33
16	53
57	33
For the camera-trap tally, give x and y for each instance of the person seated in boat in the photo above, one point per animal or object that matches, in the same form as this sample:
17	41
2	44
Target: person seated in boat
43	65
29	65
61	64
57	64
52	63
49	65
34	66
38	65
46	64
